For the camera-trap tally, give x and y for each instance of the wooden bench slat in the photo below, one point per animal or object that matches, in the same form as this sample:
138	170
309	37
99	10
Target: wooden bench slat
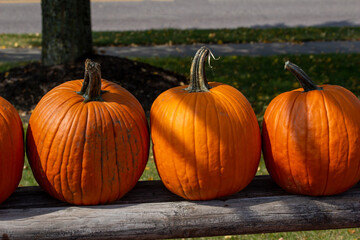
150	211
144	192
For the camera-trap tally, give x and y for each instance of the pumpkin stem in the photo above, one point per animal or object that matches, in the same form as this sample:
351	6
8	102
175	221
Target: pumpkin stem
305	81
91	88
86	78
198	81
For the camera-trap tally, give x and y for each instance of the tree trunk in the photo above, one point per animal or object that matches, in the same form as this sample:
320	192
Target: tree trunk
66	30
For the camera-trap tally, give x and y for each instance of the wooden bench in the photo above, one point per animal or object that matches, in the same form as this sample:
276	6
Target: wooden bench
149	211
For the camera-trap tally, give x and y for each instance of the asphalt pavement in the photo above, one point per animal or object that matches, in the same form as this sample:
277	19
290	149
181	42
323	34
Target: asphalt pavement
18	16
251	49
24	16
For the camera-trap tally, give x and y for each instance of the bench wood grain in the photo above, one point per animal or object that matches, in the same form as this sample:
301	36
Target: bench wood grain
150	211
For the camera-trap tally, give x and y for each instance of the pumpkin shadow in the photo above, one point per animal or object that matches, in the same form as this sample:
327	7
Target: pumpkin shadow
27	202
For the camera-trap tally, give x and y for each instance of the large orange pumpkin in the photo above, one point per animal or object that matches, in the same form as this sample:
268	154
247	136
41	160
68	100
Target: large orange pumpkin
311	138
88	147
206	139
11	149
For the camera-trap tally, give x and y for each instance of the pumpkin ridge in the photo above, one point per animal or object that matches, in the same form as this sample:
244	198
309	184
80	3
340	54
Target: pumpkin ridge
105	155
250	117
136	138
219	146
346	96
129	154
113	116
115	176
46	103
328	130
120	141
207	137
195	100
211	106
175	112
119	99
54	136
287	139
83	156
111	112
275	118
306	141
107	122
243	106
35	117
231	100
179	104
43	134
53	183
229	108
98	119
48	114
346	99
347	132
243	116
63	144
73	132
66	152
91	158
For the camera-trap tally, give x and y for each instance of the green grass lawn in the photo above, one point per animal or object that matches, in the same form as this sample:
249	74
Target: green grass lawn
260	79
191	36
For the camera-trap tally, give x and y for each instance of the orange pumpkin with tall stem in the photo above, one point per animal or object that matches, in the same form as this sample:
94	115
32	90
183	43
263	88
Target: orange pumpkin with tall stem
206	138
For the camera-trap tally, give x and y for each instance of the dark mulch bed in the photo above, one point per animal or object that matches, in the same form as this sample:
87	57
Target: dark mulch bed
24	86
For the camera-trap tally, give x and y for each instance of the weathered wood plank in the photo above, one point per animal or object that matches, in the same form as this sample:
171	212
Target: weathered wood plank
262	207
144	192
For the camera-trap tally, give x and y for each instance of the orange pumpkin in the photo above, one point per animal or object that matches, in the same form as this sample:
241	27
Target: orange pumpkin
311	138
11	149
206	139
88	147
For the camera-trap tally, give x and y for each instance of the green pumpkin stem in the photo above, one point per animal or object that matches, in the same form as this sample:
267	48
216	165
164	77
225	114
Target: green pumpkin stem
305	81
91	88
198	81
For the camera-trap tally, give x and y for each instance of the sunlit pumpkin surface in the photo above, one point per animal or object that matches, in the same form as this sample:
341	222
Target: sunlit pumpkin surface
206	144
87	153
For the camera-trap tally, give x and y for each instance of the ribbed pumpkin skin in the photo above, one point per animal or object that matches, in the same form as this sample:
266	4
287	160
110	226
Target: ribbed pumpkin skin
87	153
11	149
311	140
206	144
